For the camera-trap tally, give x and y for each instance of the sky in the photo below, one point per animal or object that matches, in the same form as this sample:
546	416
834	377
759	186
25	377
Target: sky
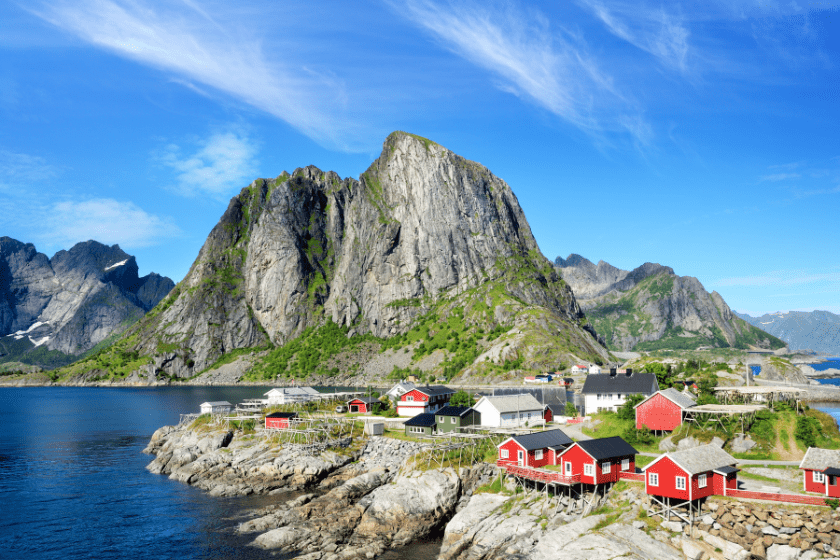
701	136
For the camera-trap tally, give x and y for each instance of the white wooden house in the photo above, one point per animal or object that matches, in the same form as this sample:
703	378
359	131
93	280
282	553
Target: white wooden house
289	395
510	410
580	368
216	407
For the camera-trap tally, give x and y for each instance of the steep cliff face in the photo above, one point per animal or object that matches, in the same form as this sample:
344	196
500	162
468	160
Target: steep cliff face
420	225
802	330
65	305
650	308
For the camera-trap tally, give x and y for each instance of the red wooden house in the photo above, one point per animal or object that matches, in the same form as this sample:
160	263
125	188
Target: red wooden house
548	413
534	450
598	461
279	420
424	399
663	410
362	404
821	471
686	477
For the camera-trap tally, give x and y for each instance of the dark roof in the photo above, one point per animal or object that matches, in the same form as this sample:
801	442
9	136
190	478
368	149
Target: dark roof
621	383
607	448
366	400
541	440
726	470
282	415
450	410
832	471
432	390
427	419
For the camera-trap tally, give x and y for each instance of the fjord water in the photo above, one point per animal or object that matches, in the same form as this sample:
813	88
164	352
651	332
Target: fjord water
73	483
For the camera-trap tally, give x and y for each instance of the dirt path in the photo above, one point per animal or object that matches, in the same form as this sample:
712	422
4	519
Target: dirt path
792	453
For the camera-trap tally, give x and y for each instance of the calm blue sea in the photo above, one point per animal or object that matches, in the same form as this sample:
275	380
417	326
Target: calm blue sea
73	483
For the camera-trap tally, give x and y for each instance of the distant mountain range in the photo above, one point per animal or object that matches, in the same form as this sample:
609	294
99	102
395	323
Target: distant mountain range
651	308
54	310
802	330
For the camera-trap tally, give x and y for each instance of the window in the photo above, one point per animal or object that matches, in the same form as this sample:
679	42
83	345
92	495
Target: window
440	419
605	467
625	464
653	479
819	477
538	454
589	469
452	420
505	454
410	398
680	482
599	396
701	481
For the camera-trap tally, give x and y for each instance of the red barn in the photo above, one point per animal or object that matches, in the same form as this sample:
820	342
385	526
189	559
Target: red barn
820	471
534	450
663	410
692	474
279	420
424	399
598	461
362	404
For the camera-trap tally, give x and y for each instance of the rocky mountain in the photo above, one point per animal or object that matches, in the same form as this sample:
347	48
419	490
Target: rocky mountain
802	330
52	310
424	234
650	308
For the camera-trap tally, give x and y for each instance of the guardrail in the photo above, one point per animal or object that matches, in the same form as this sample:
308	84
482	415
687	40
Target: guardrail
541	475
774	497
637	476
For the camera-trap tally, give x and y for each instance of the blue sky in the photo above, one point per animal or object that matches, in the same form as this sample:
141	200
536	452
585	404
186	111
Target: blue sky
702	138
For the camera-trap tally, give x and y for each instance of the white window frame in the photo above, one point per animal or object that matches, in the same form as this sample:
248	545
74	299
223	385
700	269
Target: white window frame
606	467
701	481
452	420
568	468
625	464
679	482
818	477
505	454
409	398
538	455
653	479
441	419
588	469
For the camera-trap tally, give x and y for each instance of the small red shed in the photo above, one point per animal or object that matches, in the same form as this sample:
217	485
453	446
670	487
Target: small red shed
279	420
548	414
362	404
534	450
598	461
820	471
691	474
663	410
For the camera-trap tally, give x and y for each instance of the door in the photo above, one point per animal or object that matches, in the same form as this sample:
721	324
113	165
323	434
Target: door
520	456
568	466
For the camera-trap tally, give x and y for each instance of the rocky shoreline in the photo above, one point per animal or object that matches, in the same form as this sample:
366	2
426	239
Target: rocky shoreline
365	495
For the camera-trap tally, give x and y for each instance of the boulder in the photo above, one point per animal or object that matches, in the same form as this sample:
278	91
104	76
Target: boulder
688	443
782	552
667	445
742	444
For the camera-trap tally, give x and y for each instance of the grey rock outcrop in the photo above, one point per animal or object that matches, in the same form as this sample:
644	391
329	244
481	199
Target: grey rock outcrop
72	301
420	224
651	307
818	331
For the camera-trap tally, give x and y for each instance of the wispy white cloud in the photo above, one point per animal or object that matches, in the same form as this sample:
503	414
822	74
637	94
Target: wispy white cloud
653	30
22	170
222	162
779	177
105	220
535	60
183	39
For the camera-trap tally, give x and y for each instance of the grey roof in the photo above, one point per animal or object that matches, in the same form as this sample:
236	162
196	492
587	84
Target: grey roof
701	459
644	383
366	400
832	471
432	390
682	400
817	459
542	440
727	470
450	410
406	386
427	420
294	391
514	403
607	448
217	403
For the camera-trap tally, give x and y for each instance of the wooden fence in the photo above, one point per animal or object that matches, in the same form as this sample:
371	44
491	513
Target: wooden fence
774	497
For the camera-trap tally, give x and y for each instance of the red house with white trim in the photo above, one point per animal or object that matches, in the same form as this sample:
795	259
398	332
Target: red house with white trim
362	404
821	471
598	461
279	420
663	410
692	474
424	399
534	450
